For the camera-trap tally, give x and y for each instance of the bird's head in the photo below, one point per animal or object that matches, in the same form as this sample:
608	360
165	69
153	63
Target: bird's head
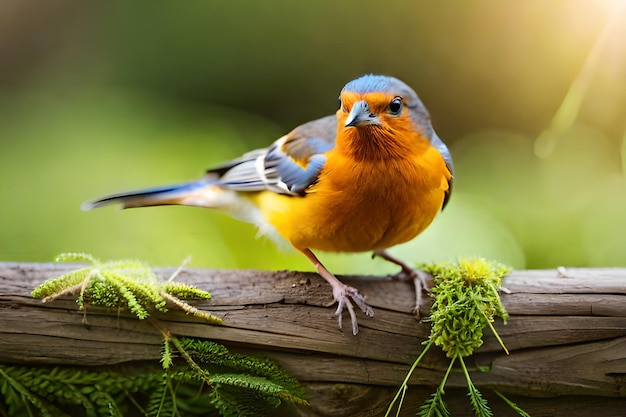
382	114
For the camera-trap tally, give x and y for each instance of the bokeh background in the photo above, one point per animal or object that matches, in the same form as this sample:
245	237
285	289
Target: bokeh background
98	97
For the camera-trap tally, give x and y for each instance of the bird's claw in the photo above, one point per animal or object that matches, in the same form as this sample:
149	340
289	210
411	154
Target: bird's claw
420	280
343	295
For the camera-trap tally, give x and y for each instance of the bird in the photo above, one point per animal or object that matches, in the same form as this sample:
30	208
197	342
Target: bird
371	176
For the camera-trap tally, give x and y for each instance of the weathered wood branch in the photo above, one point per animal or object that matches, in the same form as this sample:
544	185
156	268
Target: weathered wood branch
566	335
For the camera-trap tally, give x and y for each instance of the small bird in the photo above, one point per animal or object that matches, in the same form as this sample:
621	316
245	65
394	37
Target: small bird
369	177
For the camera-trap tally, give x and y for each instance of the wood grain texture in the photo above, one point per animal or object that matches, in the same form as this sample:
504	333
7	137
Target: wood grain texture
566	335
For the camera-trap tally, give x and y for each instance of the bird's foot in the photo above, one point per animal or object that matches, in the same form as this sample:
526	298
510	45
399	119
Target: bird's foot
420	278
421	281
344	295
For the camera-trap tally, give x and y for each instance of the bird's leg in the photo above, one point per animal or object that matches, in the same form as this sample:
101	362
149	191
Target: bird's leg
406	273
342	293
419	277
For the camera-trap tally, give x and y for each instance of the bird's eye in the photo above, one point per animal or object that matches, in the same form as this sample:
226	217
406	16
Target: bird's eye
342	107
395	107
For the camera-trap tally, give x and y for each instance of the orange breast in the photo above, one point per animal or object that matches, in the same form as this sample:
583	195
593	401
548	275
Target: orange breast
361	206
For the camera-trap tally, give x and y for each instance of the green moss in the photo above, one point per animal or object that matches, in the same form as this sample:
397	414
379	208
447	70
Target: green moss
115	284
466	301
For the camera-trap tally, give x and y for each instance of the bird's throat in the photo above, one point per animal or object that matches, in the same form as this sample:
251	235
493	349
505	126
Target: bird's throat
379	143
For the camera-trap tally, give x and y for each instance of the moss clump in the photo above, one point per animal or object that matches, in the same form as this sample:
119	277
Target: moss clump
466	300
115	284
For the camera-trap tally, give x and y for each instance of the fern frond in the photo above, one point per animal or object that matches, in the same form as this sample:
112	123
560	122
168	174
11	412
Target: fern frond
161	400
189	309
260	385
18	396
77	257
248	382
188	292
434	406
59	286
228	405
167	358
215	355
105	403
97	392
479	404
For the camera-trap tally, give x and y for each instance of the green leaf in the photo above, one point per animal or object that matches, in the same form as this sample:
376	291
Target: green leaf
434	406
479	404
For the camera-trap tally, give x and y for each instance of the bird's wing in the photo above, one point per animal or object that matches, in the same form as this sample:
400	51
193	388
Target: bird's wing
289	166
445	153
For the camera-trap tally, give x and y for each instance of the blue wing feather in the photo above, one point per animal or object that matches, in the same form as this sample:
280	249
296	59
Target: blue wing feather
289	166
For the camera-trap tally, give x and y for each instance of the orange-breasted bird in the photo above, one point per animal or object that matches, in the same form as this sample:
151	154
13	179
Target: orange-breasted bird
372	176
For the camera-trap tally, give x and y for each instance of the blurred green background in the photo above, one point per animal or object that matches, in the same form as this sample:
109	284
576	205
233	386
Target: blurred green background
98	97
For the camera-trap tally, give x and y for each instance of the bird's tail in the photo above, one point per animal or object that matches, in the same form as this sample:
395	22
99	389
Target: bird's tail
202	193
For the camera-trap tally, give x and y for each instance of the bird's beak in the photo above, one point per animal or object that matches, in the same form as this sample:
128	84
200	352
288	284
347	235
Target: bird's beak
360	115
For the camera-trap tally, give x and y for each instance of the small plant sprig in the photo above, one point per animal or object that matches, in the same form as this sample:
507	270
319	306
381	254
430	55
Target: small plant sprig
115	284
466	301
239	384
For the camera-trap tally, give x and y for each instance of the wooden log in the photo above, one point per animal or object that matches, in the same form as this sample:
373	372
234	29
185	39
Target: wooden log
566	336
